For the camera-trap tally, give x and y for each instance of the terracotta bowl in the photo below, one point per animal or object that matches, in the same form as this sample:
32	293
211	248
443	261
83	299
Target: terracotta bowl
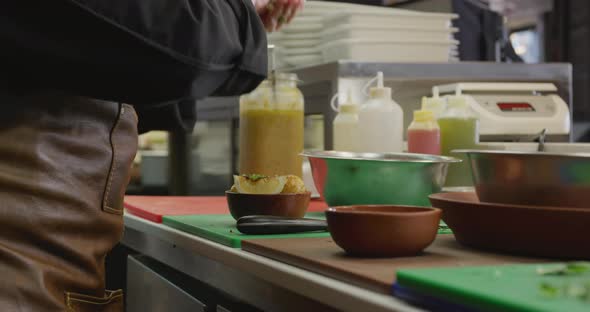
383	231
280	205
555	232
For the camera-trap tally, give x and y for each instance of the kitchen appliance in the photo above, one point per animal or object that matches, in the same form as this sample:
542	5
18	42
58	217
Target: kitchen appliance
513	111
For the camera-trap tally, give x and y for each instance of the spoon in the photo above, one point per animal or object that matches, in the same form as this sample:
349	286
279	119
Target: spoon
542	137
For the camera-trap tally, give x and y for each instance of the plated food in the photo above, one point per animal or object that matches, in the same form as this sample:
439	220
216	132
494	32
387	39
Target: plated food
254	194
261	184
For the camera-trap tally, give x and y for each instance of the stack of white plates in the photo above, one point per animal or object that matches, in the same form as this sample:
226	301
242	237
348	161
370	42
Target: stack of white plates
389	36
298	43
331	31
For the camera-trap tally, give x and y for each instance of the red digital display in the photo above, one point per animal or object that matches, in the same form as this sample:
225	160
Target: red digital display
516	107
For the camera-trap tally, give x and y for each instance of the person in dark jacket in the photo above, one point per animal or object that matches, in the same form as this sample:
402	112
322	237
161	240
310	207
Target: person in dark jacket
67	140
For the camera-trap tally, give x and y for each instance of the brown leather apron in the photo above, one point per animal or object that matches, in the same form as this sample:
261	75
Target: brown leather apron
64	165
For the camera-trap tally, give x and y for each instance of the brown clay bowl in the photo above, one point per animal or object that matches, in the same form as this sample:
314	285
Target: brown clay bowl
383	231
280	205
555	232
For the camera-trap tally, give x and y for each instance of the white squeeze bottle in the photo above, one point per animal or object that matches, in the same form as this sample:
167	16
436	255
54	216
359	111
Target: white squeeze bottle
434	104
346	125
381	121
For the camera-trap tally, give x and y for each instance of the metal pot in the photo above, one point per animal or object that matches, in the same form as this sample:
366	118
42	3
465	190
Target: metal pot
531	178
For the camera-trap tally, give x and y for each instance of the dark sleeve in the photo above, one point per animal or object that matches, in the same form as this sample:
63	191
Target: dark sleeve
158	55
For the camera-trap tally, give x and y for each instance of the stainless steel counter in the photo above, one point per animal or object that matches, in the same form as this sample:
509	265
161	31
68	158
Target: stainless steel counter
264	283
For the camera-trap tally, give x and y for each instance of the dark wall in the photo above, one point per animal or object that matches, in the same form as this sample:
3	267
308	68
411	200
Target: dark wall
568	40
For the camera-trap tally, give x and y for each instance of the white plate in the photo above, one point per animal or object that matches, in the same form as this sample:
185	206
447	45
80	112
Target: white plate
299	51
303	28
337	7
298	36
302	60
386	32
307	19
378	19
305	43
275	35
386	51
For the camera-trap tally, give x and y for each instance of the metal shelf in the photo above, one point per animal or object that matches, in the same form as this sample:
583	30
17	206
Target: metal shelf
410	81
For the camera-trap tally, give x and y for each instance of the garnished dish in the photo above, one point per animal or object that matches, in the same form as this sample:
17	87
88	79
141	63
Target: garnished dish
255	194
261	184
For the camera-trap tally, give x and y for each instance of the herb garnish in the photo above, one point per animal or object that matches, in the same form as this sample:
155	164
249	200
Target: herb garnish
254	177
578	289
549	290
573	268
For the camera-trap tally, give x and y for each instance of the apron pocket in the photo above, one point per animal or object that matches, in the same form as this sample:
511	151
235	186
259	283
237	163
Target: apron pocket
111	302
124	146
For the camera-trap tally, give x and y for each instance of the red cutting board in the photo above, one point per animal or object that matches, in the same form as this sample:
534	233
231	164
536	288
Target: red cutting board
323	256
153	208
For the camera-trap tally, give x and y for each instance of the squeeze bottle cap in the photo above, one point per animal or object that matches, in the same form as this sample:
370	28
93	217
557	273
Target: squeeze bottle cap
380	91
423	115
347	107
434	103
458	101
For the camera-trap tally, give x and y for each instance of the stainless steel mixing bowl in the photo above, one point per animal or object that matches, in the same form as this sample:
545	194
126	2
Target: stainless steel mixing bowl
344	178
531	178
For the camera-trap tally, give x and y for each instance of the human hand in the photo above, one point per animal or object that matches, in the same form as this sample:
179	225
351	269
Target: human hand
276	13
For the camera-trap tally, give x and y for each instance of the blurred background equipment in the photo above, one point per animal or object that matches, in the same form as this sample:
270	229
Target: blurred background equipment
332	50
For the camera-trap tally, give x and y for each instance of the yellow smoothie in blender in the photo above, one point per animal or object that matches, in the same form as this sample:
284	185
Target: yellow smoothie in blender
271	128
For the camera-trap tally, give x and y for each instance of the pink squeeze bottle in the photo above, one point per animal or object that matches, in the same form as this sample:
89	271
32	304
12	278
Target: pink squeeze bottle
424	134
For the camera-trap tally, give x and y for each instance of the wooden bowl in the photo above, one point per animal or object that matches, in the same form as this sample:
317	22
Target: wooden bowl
555	232
383	231
280	205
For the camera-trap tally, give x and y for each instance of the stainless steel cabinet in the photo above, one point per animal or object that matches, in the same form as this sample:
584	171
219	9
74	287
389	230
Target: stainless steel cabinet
147	291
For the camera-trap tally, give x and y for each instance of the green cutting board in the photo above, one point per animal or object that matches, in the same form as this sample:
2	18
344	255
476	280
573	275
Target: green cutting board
222	228
498	288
